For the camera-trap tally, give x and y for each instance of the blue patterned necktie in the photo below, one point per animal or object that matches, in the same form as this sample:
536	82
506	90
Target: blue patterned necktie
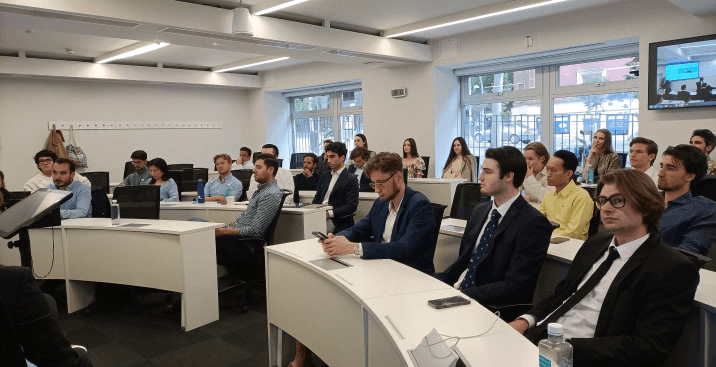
482	247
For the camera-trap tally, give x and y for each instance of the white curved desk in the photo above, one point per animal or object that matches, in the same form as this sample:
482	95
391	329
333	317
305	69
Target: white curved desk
371	313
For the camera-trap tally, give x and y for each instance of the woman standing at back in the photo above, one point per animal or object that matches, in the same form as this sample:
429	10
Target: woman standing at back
460	163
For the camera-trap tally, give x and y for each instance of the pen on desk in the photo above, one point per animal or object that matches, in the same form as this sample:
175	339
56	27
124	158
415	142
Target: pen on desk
340	261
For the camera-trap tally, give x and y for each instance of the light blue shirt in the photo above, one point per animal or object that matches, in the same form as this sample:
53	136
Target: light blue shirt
217	188
138	178
79	205
168	191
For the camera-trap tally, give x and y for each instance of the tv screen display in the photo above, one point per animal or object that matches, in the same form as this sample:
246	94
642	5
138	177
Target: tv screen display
682	73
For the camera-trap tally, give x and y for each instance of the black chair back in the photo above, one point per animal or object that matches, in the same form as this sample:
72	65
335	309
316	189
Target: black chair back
271	230
426	159
297	160
405	176
699	260
623	159
705	187
140	202
254	156
467	195
180	166
128	169
100	203
594	222
99	178
178	177
244	175
191	177
438	212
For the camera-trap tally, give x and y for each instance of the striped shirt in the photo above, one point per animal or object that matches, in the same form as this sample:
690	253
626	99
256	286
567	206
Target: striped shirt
261	210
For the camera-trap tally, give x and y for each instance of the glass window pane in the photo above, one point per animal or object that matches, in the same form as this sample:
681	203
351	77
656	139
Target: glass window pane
311	103
501	82
576	119
352	99
489	125
309	134
598	71
350	126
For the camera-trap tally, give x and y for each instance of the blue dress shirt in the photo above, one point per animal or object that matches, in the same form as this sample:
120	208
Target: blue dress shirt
217	188
689	222
80	204
168	191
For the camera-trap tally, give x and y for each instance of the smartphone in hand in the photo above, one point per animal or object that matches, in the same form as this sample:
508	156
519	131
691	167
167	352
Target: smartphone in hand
320	235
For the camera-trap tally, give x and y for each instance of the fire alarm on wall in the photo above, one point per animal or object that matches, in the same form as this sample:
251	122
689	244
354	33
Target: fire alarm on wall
399	93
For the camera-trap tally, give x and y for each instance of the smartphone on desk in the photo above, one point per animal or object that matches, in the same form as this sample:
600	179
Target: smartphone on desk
448	302
320	235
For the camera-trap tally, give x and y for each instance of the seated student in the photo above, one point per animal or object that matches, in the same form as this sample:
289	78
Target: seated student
337	187
399	226
568	204
535	184
3	191
34	323
284	178
460	162
601	156
322	160
141	176
705	140
505	240
80	204
689	222
307	180
216	188
159	170
360	156
412	161
44	160
244	161
633	294
257	217
642	153
361	141
684	94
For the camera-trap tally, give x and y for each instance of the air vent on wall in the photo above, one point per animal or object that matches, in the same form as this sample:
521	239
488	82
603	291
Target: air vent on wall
69	17
399	93
226	37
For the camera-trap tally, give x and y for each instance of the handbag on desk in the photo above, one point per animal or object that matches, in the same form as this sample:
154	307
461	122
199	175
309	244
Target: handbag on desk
75	152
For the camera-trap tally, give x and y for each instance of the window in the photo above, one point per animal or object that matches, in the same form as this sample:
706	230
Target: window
578	96
336	115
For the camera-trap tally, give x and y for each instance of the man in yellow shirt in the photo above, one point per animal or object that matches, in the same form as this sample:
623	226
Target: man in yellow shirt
567	204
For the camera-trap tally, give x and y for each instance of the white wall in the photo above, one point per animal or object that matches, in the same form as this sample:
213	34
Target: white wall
26	106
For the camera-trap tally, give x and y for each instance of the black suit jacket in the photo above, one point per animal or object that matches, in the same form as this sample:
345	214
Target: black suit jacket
27	326
508	274
343	198
644	310
364	185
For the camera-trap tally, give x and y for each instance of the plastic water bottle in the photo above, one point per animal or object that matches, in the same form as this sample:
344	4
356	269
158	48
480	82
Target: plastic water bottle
555	351
114	210
590	174
200	192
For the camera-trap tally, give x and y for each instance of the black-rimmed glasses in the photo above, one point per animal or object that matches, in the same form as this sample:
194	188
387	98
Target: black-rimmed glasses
382	182
617	201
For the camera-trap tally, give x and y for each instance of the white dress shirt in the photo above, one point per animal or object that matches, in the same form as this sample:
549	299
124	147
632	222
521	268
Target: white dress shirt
653	173
502	209
389	224
284	180
536	185
581	320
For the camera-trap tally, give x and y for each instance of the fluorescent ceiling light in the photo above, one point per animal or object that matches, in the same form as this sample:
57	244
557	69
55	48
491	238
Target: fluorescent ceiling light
235	66
129	51
503	12
279	7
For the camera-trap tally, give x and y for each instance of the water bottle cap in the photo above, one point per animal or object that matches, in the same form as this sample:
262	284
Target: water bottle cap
114	201
555	329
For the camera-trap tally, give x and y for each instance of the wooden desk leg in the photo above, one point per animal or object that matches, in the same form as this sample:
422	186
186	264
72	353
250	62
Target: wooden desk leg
79	294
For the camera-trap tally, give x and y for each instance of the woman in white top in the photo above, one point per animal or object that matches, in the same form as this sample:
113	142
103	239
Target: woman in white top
460	163
160	176
535	184
412	160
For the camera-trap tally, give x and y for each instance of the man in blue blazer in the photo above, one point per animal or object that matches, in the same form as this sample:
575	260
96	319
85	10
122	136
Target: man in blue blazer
360	156
337	187
505	240
399	226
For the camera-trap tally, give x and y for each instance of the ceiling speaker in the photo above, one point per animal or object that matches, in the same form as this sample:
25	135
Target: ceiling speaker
241	25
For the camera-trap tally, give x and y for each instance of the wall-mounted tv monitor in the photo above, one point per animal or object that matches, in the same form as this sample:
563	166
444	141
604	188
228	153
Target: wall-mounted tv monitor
682	73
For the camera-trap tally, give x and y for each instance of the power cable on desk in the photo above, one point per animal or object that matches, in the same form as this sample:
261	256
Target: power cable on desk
497	314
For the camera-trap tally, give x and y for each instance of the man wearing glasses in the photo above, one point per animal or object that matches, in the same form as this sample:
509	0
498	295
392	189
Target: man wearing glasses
626	296
44	160
141	176
399	226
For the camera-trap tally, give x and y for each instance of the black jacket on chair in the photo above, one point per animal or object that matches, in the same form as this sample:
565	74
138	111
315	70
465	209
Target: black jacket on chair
343	198
364	185
644	310
508	273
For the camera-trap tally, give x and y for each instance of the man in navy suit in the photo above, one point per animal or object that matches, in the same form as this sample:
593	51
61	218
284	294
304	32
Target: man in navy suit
360	156
399	226
337	187
626	297
505	240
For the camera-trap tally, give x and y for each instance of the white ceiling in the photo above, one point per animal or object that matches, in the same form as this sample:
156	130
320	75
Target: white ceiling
204	39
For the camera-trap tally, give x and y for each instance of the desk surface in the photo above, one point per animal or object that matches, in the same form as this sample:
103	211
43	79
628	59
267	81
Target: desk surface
237	206
436	181
139	225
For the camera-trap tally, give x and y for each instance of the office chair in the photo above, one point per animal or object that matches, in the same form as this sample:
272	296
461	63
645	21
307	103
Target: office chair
699	260
254	156
594	222
244	175
180	166
100	203
705	187
254	264
438	211
467	195
623	159
196	175
426	159
297	160
178	177
140	202
99	178
128	169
